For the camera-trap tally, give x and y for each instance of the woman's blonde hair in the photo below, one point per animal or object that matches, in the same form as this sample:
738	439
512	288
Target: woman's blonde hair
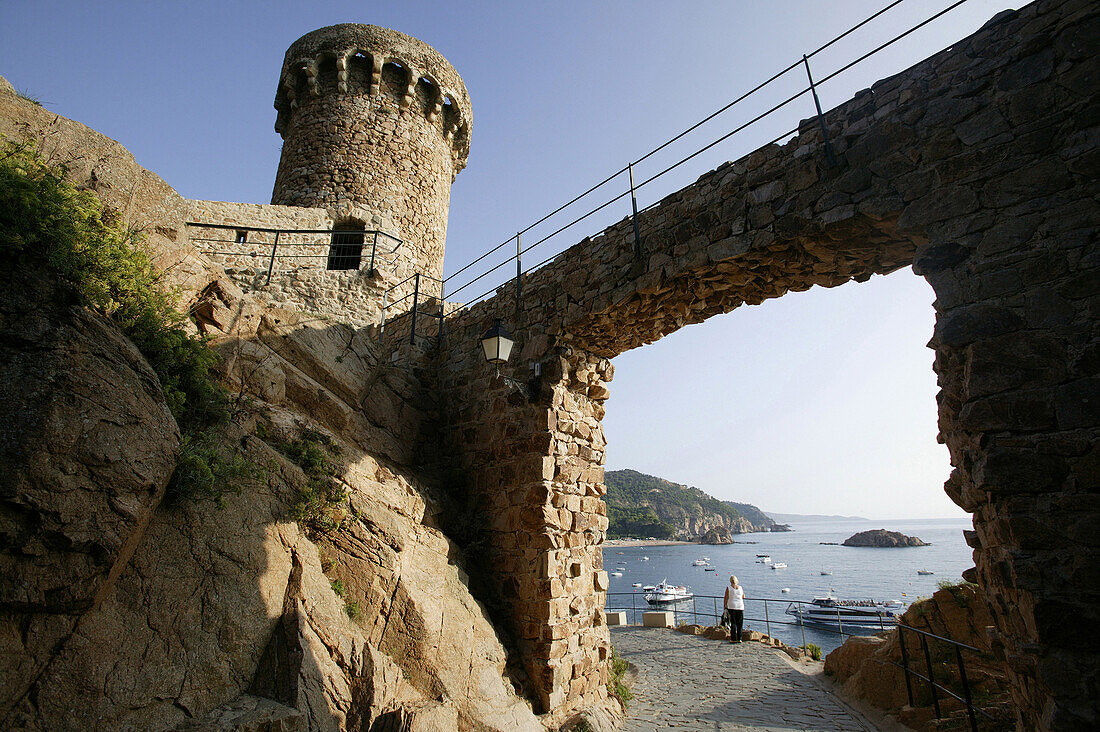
733	580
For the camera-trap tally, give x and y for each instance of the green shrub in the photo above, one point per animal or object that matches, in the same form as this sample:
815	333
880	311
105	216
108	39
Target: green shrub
337	587
354	612
814	650
615	685
317	502
46	222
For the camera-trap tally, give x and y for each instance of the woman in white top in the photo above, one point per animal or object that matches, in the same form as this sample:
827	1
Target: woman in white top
735	603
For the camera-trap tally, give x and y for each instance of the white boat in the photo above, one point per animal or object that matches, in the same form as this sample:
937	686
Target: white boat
710	569
762	559
616	574
786	589
706	559
856	613
825	573
925	571
779	565
763	556
664	593
636	584
645	559
699	563
649	588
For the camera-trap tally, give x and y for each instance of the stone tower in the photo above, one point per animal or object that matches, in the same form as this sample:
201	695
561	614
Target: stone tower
375	127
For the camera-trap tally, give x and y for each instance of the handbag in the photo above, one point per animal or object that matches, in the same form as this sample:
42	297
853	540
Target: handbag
726	620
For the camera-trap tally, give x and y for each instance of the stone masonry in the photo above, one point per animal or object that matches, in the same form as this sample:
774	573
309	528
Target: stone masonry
977	168
374	123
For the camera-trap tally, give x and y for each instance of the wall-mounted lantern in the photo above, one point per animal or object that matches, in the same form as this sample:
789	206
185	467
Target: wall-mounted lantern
497	344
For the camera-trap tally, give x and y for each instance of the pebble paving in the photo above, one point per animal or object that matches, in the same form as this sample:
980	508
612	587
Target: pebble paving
689	683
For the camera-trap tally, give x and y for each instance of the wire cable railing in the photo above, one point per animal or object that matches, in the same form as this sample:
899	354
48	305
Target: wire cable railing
811	88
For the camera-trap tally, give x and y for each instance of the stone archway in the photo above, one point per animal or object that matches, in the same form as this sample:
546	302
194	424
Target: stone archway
976	167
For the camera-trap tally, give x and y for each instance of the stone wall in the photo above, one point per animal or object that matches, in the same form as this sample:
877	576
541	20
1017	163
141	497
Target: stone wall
977	167
299	275
374	122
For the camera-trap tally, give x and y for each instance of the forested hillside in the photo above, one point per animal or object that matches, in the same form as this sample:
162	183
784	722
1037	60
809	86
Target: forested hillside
641	505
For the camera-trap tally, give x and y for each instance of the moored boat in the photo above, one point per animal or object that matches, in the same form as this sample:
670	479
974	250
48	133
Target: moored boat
925	571
856	613
699	563
664	593
779	565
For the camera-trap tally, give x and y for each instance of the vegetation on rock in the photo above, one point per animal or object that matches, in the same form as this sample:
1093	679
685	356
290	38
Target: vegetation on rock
47	224
882	538
615	685
320	501
643	505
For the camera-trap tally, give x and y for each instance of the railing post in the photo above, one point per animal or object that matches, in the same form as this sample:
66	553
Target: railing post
271	264
694	611
931	678
966	690
802	624
416	298
519	277
767	620
905	664
633	609
820	117
634	206
442	311
382	325
373	249
839	624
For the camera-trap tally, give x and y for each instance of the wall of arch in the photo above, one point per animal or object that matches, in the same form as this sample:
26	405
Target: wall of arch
976	168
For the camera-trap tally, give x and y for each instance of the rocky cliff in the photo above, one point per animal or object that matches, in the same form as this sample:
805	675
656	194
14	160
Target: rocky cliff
867	668
121	610
643	505
882	538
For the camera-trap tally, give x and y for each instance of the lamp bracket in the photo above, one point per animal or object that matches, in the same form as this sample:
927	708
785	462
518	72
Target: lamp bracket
528	389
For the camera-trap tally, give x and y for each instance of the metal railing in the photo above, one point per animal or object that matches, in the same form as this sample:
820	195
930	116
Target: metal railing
935	687
638	603
631	188
343	247
414	310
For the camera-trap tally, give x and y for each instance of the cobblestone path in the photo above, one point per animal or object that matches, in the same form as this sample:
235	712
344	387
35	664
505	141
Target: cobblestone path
687	682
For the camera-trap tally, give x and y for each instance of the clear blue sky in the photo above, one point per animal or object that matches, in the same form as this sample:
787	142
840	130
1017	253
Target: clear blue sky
820	402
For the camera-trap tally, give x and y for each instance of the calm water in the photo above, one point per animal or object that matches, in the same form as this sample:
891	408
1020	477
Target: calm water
857	573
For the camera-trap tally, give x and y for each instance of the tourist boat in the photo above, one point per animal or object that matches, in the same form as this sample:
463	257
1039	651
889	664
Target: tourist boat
779	565
699	563
649	588
664	593
762	559
616	574
925	571
856	613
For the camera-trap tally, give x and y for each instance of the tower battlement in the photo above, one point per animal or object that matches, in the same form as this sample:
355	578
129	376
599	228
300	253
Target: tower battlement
375	127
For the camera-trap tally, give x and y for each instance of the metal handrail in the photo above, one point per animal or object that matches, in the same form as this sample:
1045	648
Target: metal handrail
375	233
803	62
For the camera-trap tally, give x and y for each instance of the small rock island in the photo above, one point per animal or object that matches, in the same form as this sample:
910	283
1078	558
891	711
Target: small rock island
882	538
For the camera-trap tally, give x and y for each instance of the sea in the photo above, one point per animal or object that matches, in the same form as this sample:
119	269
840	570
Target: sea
856	573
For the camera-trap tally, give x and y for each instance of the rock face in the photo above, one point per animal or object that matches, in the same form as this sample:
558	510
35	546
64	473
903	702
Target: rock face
882	538
193	616
717	535
864	668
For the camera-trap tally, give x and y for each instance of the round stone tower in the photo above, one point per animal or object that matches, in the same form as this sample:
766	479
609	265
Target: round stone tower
375	127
